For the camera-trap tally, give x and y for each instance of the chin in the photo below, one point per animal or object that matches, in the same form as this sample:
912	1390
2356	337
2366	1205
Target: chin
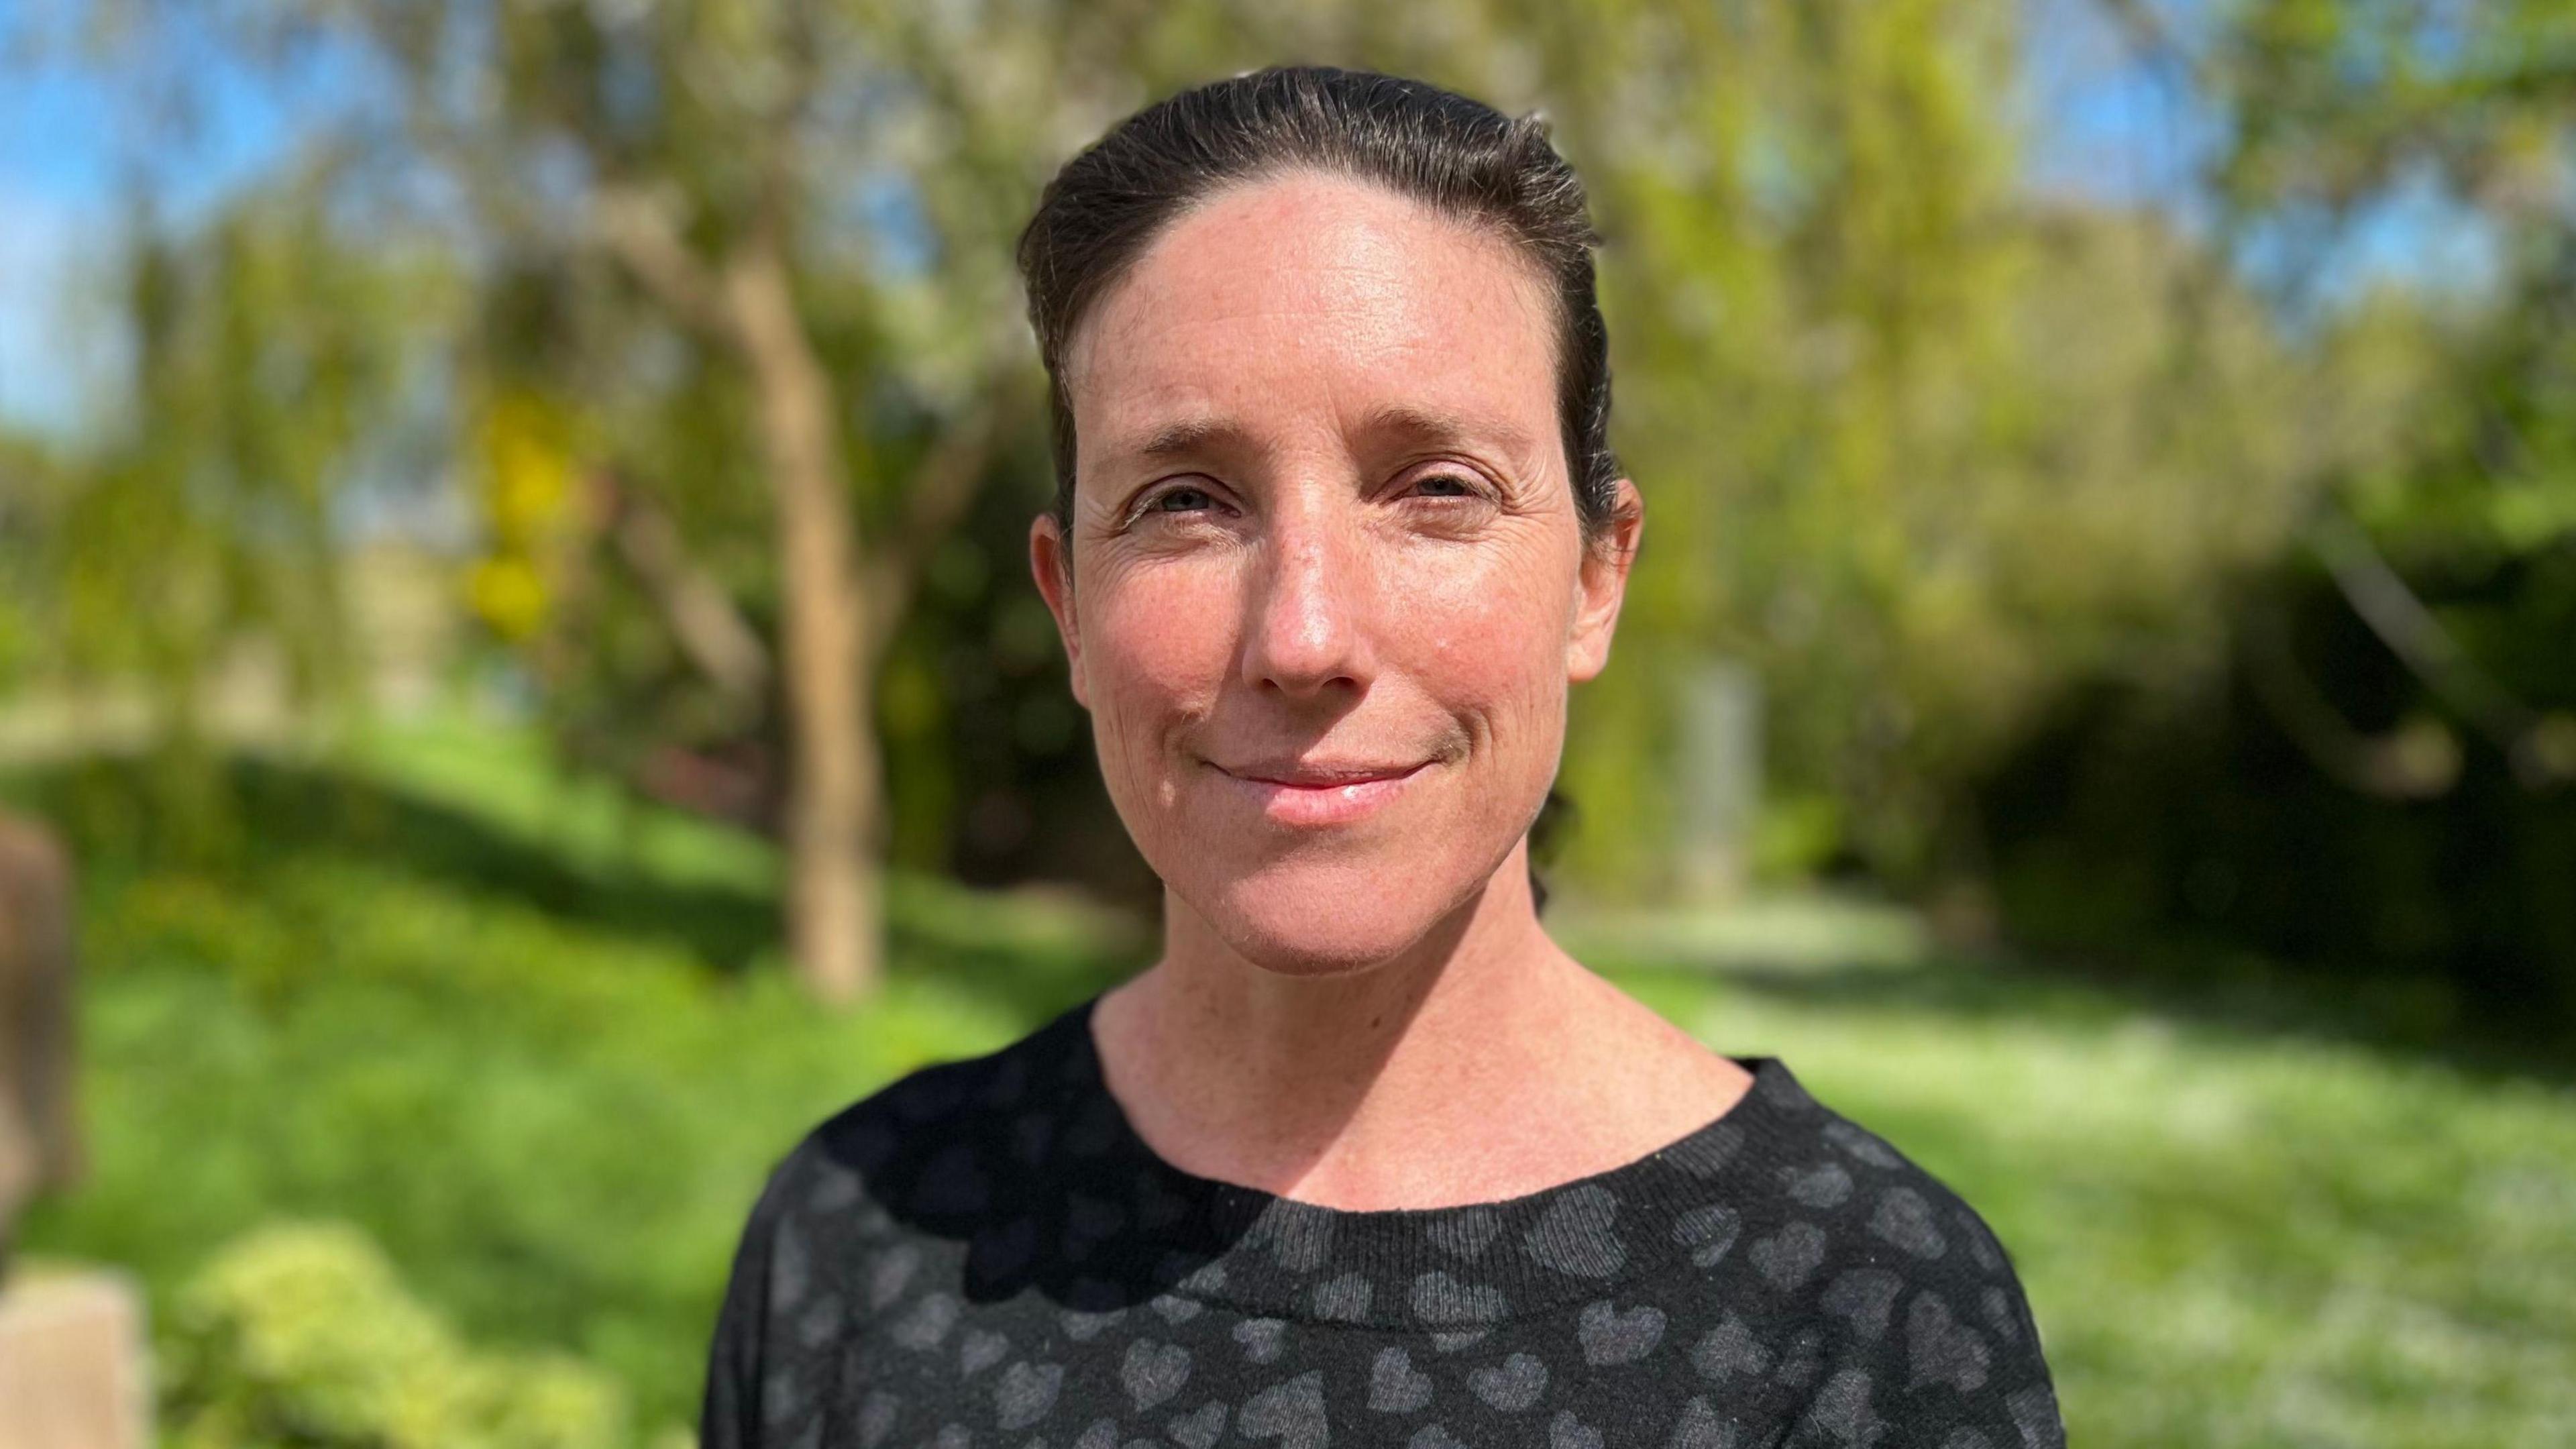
1328	920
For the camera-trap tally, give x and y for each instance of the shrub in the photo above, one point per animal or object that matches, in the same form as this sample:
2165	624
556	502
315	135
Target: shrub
302	1334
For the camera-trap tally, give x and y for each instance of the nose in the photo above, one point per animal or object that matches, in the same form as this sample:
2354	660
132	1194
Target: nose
1309	630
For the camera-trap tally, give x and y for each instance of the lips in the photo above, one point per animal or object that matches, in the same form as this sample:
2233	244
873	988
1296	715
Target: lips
1308	795
1315	776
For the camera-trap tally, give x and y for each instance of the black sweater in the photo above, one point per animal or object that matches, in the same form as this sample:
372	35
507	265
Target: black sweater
986	1254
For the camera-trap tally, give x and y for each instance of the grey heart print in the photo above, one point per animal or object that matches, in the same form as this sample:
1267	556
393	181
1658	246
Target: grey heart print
986	1256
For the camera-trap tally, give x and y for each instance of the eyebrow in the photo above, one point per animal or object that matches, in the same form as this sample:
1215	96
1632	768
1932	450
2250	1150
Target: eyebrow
1428	425
1191	437
1201	436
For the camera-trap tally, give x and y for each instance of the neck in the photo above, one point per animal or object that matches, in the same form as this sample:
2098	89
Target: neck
1329	1086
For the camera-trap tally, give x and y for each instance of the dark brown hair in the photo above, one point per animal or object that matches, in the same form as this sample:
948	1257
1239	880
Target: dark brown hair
1457	155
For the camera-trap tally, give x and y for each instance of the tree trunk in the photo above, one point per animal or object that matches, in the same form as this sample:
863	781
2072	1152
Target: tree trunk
39	1140
834	916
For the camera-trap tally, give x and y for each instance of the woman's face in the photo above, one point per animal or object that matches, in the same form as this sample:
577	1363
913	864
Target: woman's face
1328	583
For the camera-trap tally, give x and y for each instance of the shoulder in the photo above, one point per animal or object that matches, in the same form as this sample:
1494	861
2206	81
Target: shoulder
1829	1169
864	1208
929	1145
1897	1292
939	1161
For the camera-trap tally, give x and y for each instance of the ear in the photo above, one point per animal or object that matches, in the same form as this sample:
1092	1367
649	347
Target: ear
1051	563
1601	582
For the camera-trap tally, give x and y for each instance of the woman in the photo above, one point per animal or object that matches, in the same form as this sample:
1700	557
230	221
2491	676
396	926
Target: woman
1363	1158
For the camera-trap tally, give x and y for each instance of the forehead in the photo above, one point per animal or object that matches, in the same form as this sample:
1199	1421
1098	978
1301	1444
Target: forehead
1310	302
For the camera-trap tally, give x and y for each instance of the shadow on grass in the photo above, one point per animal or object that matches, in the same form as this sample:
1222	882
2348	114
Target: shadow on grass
2253	1001
1030	953
322	811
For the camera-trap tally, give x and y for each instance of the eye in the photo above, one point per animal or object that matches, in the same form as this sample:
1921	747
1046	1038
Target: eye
1446	485
1182	499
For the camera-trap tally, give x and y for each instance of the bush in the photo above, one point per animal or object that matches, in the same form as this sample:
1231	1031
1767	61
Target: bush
2203	820
302	1334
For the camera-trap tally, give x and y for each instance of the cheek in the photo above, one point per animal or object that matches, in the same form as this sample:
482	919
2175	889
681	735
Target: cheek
1488	640
1155	649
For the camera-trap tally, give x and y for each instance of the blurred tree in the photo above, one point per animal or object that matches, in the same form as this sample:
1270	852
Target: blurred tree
31	485
194	533
2386	788
2343	114
685	145
771	222
1916	443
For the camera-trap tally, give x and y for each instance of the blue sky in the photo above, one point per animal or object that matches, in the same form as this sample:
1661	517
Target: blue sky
70	140
2100	126
55	198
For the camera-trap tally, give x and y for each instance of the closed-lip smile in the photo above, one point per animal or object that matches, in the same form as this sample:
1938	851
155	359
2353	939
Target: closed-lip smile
1317	776
1306	795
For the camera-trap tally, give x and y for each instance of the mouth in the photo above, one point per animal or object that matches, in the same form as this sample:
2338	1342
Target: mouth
1311	795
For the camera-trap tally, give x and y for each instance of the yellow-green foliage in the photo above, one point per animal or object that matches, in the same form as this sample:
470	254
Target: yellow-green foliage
302	1334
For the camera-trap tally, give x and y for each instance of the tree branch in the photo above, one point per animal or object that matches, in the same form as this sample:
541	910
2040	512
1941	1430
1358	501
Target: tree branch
635	226
2396	766
710	630
942	488
2535	744
2380	596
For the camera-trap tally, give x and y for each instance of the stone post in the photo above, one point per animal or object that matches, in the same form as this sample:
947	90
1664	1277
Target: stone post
72	1372
1719	784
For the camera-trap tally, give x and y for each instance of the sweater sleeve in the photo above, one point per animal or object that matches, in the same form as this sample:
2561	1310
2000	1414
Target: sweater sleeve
2029	1393
730	1416
1945	1354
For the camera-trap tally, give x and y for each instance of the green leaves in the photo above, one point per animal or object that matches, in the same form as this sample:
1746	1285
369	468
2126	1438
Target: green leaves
301	1333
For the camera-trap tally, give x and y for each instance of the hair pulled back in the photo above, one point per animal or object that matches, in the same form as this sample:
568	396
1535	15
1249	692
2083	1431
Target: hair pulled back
1454	154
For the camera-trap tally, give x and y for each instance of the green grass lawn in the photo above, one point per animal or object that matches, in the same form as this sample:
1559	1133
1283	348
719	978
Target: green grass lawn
535	1041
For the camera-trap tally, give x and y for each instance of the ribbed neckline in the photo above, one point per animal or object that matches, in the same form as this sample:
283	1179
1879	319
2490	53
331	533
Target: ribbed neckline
1256	1251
